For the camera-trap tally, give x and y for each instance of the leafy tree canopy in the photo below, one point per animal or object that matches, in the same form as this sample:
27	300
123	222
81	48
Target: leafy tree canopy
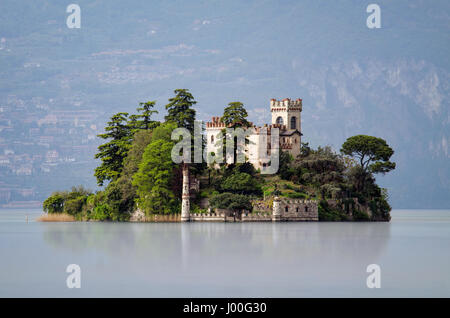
154	178
54	203
241	182
141	139
231	201
372	153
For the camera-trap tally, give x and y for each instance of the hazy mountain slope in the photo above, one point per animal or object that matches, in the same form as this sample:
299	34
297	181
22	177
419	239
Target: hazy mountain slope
392	82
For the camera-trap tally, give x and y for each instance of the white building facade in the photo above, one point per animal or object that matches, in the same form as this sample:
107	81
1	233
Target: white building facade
286	116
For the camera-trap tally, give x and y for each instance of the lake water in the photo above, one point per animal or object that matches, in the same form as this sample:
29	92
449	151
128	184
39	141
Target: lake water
226	260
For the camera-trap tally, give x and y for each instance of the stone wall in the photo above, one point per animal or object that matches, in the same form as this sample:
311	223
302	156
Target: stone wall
256	217
207	217
298	210
288	210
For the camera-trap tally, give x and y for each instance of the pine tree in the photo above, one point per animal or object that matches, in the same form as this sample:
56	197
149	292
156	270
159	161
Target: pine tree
114	151
144	119
180	109
235	115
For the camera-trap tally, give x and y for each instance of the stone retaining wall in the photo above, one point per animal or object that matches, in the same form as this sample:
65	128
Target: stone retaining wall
284	209
298	210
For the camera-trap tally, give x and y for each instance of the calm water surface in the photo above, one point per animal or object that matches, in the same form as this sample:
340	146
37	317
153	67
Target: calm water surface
226	260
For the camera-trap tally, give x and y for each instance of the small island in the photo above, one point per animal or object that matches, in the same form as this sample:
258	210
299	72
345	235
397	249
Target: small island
142	183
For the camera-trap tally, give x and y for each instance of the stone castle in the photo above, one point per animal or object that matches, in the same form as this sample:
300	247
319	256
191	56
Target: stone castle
286	116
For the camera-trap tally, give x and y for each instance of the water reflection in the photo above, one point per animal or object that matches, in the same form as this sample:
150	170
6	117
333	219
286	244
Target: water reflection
227	247
228	260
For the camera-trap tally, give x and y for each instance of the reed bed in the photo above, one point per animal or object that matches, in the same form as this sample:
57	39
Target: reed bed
56	217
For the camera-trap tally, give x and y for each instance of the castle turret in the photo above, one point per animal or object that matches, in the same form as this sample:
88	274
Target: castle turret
286	112
185	205
276	210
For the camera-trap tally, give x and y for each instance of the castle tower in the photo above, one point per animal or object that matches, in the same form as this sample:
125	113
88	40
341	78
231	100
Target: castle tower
185	205
287	112
276	210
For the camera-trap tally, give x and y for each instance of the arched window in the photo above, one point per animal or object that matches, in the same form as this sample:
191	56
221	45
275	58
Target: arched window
294	122
306	209
280	120
212	138
286	208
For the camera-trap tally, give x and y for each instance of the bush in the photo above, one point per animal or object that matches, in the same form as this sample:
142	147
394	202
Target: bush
326	213
101	212
360	215
241	182
54	203
71	202
296	195
380	209
120	196
74	206
231	201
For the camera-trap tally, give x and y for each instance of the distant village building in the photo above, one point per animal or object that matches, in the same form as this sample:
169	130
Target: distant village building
51	156
286	116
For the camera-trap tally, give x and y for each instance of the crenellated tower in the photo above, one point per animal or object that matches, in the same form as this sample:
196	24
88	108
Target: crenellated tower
287	112
286	118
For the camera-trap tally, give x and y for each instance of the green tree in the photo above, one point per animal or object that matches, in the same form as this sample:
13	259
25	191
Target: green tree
180	111
54	203
140	141
285	171
143	120
112	153
74	206
120	196
321	169
372	153
305	149
235	115
241	182
231	201
155	177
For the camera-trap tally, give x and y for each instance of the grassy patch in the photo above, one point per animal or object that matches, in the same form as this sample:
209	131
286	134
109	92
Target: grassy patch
56	217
